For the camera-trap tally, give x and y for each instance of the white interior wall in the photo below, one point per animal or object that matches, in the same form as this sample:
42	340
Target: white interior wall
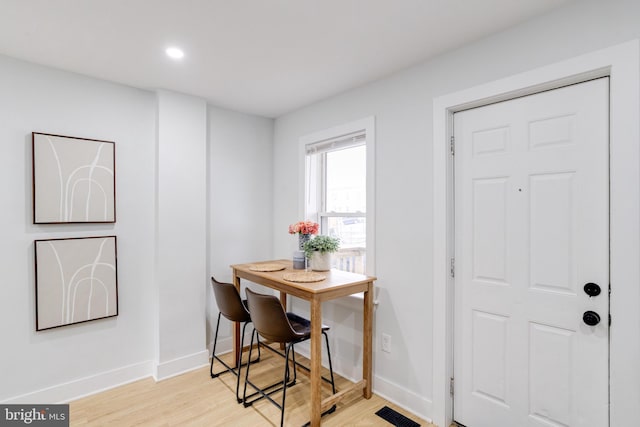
57	364
41	99
402	105
162	147
181	237
240	200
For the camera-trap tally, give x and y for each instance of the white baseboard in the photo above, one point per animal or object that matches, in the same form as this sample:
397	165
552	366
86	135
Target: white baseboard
72	390
181	365
402	397
394	393
76	389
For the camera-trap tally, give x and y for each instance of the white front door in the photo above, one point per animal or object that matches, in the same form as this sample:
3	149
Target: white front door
531	230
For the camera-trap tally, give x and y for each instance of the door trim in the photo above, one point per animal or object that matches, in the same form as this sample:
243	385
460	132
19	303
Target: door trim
622	64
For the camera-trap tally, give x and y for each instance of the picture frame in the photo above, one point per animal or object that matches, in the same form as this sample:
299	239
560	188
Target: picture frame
76	280
74	179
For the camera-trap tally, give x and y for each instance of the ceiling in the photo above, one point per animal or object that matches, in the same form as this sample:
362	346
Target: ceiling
264	57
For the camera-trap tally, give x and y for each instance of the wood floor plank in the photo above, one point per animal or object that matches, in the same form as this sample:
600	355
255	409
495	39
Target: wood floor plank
195	399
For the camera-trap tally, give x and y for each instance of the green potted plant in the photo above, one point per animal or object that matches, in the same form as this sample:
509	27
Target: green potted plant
319	249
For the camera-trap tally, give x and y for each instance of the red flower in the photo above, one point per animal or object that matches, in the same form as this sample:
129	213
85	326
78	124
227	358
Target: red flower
304	227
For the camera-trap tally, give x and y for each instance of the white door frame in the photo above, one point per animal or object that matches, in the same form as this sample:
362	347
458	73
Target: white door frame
622	64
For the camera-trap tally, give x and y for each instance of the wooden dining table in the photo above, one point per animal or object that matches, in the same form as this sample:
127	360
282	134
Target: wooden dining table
336	284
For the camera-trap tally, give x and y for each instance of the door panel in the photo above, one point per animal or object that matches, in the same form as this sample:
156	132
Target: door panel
532	227
551	216
490	355
489	231
550	370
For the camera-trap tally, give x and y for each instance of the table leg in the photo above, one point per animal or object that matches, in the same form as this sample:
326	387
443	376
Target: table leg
316	362
283	301
237	345
367	340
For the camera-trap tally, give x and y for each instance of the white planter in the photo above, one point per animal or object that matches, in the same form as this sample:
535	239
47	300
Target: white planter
320	261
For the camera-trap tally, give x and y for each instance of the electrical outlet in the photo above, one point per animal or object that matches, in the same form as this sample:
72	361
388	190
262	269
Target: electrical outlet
386	343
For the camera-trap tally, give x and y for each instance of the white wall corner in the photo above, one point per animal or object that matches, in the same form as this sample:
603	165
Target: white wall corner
406	399
225	345
181	229
180	365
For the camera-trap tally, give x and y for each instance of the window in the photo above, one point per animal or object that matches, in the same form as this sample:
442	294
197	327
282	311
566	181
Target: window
338	193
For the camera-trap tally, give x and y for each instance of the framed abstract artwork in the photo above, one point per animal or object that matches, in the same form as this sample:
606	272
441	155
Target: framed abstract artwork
76	280
73	180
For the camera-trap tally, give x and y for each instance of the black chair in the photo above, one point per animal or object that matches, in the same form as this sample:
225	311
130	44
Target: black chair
231	306
272	323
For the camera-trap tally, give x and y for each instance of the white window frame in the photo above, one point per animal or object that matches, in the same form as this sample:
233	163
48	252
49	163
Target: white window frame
366	126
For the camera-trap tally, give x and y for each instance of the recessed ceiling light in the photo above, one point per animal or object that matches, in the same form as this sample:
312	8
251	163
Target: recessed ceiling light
174	53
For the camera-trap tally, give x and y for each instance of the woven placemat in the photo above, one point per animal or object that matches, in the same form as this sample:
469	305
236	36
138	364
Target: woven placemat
267	267
304	277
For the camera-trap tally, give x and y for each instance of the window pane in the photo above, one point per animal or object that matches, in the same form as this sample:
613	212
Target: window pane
352	233
351	230
346	180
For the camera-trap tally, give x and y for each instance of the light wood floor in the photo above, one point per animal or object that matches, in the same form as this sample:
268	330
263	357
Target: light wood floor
195	399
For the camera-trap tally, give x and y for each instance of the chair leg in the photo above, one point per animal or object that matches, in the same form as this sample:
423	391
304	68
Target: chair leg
289	349
258	340
333	384
295	371
239	362
257	359
285	379
246	374
213	353
264	392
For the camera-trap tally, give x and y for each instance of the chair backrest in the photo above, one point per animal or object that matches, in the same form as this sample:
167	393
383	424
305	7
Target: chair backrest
229	302
270	319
